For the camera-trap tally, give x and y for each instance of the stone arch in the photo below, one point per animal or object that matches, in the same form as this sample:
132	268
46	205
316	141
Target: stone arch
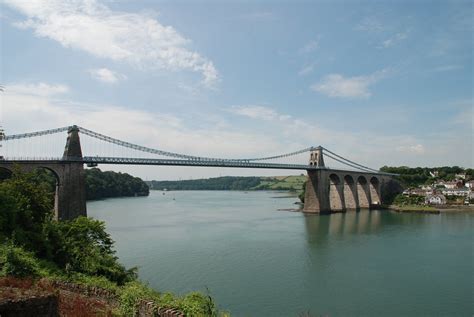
56	186
336	193
5	173
363	194
374	186
350	193
49	169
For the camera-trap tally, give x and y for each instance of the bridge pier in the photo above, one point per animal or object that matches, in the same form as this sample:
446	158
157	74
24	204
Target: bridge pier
315	199
338	191
71	192
350	193
70	195
336	194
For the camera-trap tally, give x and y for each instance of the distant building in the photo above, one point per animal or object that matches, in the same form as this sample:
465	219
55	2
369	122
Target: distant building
456	192
435	199
434	174
461	176
414	192
469	184
453	184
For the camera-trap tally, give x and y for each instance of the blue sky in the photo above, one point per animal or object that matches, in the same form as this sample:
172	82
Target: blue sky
381	82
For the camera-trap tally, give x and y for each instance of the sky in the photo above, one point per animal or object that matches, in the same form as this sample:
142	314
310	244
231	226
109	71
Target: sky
379	82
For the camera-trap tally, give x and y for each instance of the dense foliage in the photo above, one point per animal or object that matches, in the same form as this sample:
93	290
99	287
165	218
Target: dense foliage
413	177
81	245
291	183
34	245
218	183
98	184
404	200
111	184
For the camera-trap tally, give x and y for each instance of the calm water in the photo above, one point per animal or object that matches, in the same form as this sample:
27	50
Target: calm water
259	261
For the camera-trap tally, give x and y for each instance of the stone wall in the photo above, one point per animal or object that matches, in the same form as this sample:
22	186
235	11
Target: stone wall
150	309
89	291
36	306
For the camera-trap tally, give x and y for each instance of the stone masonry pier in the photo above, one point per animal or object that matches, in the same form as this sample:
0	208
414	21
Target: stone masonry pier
331	190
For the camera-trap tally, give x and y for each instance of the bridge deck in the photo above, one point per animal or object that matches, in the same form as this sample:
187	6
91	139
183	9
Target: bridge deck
175	162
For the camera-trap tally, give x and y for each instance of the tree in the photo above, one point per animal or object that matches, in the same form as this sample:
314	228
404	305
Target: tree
78	246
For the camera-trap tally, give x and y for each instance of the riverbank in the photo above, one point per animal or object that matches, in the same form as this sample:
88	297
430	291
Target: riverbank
432	209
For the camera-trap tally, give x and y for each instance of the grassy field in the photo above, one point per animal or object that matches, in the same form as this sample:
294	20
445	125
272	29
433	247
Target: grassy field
294	183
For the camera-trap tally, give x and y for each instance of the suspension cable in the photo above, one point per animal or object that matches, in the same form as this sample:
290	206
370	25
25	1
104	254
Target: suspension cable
348	164
343	158
281	155
34	134
178	155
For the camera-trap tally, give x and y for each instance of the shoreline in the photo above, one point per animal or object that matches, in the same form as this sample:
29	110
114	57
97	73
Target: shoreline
432	209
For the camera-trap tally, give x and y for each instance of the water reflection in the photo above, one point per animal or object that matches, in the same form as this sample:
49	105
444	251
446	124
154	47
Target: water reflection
321	228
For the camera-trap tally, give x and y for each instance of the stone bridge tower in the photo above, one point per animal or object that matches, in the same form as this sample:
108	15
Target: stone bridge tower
316	157
71	192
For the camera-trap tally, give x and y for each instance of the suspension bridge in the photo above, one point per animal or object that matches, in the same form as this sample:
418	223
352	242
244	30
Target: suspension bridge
328	189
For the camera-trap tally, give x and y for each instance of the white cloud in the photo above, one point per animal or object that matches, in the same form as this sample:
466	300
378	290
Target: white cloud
309	47
255	112
370	24
106	75
336	85
306	69
447	68
138	39
415	148
397	38
37	89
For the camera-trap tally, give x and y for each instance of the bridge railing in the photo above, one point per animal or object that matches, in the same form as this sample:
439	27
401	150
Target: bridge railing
30	158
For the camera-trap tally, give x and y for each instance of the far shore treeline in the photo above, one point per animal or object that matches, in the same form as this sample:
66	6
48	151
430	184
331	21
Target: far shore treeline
100	184
416	176
291	183
109	184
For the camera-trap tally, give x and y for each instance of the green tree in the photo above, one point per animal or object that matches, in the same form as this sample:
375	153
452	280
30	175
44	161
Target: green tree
81	245
24	208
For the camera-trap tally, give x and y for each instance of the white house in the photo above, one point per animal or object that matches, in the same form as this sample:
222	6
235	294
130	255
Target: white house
434	174
435	199
469	184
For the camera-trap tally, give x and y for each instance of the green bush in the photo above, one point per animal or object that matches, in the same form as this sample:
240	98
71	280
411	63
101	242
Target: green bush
198	304
25	207
131	294
15	261
83	246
